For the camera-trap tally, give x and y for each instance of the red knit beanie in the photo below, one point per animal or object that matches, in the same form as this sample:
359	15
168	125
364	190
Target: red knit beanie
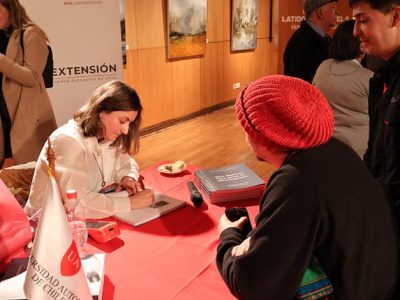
285	113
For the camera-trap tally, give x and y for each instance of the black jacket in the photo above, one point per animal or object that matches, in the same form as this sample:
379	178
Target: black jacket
383	152
323	202
304	52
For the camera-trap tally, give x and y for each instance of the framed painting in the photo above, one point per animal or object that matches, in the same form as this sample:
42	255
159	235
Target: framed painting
123	34
244	24
187	28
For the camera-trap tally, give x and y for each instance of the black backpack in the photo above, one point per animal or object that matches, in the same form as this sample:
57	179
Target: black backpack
48	69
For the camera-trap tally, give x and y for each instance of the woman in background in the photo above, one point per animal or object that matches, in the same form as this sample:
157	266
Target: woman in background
27	118
345	84
94	150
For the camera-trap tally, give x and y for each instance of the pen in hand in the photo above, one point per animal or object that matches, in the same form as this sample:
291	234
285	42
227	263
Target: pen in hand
140	180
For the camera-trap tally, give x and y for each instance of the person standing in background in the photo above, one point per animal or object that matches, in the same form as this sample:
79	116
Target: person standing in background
345	83
308	46
27	117
378	27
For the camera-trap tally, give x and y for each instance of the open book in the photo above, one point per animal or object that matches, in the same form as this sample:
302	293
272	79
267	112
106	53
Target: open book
162	205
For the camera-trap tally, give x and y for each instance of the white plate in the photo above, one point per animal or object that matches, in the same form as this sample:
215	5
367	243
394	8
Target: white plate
162	169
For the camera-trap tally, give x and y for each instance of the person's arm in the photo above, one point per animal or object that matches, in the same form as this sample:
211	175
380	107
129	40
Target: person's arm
74	171
281	245
392	159
376	90
127	173
34	58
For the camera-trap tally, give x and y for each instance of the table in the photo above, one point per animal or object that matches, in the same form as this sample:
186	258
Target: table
172	257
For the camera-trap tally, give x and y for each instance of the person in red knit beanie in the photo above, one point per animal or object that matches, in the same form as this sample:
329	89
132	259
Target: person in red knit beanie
321	203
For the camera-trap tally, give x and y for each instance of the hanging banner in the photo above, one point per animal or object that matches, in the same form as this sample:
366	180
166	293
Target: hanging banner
85	37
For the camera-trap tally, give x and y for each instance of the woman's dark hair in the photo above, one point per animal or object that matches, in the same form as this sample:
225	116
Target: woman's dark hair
344	45
112	96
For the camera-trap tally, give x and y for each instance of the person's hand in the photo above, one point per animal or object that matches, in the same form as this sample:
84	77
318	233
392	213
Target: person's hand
224	223
242	248
142	199
130	185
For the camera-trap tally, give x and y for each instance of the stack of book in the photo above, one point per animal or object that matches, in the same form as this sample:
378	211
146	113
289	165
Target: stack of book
235	182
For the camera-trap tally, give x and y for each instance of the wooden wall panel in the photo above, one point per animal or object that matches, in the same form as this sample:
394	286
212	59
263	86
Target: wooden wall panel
131	69
263	19
232	71
213	69
272	57
130	25
255	63
226	16
151	21
186	86
155	86
261	61
249	69
215	21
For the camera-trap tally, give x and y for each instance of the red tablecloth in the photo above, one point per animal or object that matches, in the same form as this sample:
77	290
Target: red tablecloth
15	231
172	257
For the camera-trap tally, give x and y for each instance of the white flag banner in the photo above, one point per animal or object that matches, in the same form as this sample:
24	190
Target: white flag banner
54	268
85	36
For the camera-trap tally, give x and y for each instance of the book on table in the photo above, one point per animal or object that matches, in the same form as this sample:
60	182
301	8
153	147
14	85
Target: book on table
230	183
162	205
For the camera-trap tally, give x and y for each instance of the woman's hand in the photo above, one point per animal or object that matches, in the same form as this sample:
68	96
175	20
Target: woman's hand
142	199
130	185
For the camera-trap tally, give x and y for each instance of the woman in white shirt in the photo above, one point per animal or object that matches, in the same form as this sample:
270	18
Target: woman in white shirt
94	150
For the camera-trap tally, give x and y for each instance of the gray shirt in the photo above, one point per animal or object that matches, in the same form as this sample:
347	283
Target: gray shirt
345	84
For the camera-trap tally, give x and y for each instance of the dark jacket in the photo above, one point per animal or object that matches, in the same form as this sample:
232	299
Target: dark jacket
383	152
323	202
304	52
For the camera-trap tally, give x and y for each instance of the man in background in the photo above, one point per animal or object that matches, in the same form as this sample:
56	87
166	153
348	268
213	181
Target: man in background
308	46
378	27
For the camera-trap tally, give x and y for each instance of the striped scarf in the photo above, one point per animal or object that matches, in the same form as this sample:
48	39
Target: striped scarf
315	283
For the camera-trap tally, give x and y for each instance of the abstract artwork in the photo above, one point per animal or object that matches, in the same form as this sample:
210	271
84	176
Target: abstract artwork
187	28
244	24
